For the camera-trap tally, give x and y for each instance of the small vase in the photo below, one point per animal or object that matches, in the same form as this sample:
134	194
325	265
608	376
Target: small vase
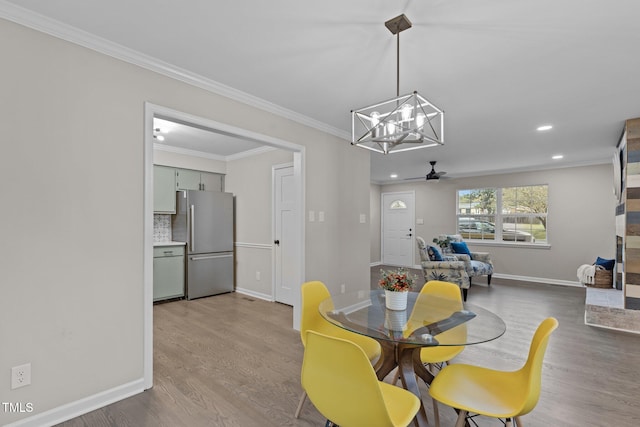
395	320
396	300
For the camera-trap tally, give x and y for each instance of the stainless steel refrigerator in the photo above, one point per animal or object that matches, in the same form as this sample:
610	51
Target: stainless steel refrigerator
204	219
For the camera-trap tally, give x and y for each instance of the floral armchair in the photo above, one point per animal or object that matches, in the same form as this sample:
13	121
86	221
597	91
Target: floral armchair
448	268
476	263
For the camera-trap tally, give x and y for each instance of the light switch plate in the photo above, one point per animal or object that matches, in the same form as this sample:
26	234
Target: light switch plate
363	218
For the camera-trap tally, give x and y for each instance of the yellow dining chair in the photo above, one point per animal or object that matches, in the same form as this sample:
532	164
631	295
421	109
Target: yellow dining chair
439	354
497	394
442	354
340	381
312	293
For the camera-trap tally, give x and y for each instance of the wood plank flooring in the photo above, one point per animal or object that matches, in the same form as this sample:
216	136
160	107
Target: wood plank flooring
231	360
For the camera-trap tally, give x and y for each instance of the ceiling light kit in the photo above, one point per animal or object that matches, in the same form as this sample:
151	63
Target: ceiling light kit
404	123
157	132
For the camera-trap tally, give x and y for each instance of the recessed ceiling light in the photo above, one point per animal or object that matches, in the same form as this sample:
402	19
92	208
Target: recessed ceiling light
544	127
159	137
393	175
557	156
162	130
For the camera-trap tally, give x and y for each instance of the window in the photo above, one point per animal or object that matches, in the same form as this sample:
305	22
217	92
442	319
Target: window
511	214
398	204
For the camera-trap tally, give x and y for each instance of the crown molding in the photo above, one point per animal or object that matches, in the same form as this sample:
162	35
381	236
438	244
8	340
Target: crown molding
195	153
250	153
52	27
187	152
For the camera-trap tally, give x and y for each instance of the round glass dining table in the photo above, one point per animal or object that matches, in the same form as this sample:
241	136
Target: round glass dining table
429	320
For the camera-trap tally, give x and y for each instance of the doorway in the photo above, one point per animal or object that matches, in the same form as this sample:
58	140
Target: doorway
297	182
398	212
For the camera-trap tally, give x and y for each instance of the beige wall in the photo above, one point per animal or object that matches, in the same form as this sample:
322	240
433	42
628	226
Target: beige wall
71	299
249	179
581	221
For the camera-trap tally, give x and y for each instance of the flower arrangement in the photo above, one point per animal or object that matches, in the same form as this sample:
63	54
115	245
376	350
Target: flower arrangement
396	281
443	243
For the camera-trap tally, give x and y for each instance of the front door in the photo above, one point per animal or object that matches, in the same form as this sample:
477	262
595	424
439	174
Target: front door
398	229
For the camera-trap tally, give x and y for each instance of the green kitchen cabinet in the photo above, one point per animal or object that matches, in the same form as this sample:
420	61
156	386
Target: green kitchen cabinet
187	179
164	193
168	272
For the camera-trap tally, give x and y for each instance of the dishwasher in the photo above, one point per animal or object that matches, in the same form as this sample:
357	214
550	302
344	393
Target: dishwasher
168	272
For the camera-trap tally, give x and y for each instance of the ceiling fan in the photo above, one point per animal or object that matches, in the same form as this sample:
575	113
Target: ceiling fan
432	175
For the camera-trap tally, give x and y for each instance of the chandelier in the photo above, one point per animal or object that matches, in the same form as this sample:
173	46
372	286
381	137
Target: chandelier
403	123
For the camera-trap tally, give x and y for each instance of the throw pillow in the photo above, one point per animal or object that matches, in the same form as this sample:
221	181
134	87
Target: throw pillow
608	264
434	253
460	248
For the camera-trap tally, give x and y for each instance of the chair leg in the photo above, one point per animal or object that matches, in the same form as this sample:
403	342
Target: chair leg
464	294
436	412
507	422
489	280
302	399
518	422
462	418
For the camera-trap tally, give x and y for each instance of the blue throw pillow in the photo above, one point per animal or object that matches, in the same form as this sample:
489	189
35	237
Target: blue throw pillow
608	264
434	253
460	248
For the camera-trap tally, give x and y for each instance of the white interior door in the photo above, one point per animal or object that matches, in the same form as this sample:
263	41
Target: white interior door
398	212
286	248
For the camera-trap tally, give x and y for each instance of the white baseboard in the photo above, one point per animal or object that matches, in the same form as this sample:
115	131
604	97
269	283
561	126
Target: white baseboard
538	280
255	294
515	277
79	407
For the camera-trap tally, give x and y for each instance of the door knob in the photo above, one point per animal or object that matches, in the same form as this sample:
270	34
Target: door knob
276	242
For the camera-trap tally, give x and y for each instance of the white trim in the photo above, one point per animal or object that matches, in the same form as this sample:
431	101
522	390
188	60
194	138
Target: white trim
147	249
74	35
254	245
211	156
543	280
187	152
255	294
80	407
152	110
249	153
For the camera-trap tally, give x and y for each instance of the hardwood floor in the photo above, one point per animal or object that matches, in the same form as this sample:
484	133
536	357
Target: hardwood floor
231	360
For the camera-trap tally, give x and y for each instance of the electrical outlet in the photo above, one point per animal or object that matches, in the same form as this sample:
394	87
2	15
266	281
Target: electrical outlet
20	376
257	275
343	288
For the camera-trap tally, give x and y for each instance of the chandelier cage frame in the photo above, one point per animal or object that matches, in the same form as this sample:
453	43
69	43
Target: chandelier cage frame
409	119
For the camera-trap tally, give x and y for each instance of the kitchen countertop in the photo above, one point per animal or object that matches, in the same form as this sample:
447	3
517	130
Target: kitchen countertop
156	244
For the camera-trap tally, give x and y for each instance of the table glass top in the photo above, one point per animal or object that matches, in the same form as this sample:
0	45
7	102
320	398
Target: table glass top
428	320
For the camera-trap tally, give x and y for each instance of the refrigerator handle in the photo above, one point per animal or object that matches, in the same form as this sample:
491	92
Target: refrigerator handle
192	242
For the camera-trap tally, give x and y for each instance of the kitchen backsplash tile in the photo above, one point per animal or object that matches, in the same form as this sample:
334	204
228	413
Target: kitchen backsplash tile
161	228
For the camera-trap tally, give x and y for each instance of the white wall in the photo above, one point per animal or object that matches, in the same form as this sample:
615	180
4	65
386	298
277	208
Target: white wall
71	297
581	221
